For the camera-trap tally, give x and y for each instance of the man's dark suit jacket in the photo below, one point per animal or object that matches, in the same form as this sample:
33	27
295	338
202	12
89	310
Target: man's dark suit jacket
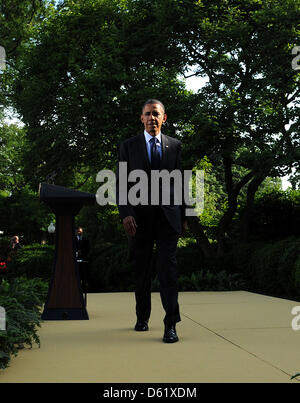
134	152
83	248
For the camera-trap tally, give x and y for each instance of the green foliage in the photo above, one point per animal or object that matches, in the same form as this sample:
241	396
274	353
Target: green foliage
101	224
32	261
16	21
275	215
205	280
271	268
110	269
4	242
12	146
297	274
269	185
244	49
189	256
23	214
98	60
214	192
22	300
95	79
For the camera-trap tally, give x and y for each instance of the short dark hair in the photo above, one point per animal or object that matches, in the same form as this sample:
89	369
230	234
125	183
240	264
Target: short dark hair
152	101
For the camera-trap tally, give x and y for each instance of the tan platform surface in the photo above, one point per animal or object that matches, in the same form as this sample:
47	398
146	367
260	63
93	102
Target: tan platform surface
224	337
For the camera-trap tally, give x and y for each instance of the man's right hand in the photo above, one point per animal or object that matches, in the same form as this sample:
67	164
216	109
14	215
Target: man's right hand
129	225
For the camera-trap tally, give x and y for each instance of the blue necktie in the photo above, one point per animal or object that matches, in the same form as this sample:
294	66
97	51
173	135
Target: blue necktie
155	155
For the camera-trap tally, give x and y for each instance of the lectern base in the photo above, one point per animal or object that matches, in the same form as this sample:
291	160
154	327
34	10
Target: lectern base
65	314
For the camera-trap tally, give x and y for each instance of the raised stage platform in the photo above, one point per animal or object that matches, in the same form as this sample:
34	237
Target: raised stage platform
224	337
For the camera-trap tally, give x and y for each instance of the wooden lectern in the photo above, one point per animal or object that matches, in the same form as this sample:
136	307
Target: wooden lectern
65	297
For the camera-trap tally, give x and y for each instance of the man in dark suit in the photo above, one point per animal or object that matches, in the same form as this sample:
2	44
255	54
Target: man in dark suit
82	245
160	224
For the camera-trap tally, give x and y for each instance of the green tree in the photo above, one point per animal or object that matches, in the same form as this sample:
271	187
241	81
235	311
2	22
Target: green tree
90	65
12	145
248	112
17	20
80	86
21	211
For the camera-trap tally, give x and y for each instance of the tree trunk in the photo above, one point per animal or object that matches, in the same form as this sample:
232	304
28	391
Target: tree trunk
232	206
233	191
223	227
248	213
198	232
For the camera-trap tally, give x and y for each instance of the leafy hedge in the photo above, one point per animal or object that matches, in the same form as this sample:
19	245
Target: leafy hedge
209	281
22	299
110	269
271	268
32	261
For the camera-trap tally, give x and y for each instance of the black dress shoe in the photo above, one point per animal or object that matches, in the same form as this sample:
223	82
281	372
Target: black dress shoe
170	335
141	326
